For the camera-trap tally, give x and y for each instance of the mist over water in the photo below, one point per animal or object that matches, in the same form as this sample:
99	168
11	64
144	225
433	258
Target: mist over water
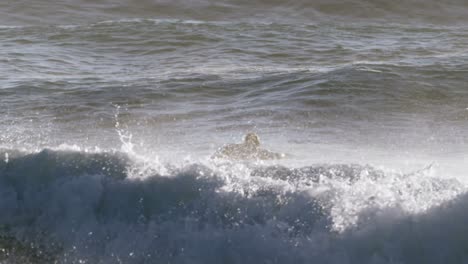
111	112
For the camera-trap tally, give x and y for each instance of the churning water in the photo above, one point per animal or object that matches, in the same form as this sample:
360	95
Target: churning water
111	112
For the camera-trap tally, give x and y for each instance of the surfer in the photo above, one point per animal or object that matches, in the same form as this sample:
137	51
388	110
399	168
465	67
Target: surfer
249	149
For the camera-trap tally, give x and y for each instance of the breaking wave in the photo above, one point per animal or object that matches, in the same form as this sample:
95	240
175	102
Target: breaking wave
108	207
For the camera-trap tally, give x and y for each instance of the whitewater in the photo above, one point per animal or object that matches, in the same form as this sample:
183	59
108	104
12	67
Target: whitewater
72	205
112	112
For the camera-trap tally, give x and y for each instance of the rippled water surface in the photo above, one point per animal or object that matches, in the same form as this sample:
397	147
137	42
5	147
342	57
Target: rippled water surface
111	111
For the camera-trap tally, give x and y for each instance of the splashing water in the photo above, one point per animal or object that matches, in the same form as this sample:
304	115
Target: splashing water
111	114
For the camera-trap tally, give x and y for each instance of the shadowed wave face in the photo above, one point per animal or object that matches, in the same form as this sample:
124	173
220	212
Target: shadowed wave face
68	207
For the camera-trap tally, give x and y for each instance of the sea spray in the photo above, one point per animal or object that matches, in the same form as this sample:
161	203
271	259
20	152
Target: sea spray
82	206
110	115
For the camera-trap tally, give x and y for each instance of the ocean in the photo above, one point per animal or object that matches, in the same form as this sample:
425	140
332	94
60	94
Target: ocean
111	113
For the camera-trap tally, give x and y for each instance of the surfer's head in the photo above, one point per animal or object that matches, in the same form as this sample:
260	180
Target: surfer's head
252	139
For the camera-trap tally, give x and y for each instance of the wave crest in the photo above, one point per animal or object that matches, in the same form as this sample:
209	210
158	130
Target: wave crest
73	206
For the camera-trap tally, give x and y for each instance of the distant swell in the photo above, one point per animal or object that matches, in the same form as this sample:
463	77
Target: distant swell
59	12
76	207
